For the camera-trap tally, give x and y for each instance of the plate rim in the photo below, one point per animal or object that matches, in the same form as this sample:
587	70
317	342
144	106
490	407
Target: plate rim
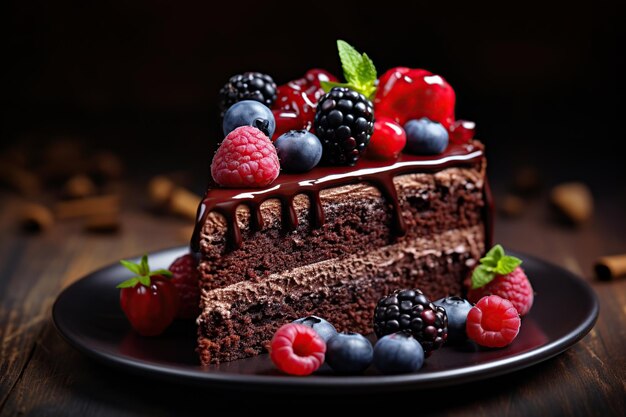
410	381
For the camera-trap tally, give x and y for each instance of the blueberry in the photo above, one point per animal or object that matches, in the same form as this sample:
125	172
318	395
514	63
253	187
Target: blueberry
398	353
321	326
249	113
425	137
298	150
457	309
349	353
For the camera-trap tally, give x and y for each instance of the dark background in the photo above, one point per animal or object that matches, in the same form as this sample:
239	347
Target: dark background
142	77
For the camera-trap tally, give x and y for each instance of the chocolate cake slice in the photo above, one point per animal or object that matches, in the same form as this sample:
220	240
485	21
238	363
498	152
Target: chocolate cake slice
332	241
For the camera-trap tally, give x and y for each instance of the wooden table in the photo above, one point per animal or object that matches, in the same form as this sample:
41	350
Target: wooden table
41	375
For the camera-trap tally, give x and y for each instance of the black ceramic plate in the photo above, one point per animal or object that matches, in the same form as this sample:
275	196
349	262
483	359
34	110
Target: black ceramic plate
89	317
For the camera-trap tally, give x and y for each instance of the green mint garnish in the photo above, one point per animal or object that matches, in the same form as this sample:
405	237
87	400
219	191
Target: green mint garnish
495	262
142	273
358	70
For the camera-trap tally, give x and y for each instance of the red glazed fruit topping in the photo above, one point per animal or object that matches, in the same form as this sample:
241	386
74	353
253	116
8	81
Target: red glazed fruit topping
315	77
286	121
185	276
387	141
404	94
462	131
246	158
299	97
493	322
514	286
297	349
149	299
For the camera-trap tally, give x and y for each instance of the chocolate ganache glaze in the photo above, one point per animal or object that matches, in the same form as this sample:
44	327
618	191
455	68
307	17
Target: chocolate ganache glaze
287	186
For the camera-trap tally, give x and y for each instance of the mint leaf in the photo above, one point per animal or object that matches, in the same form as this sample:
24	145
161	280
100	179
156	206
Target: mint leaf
145	269
358	70
132	267
350	61
143	273
366	71
129	283
481	276
495	253
164	272
507	264
144	280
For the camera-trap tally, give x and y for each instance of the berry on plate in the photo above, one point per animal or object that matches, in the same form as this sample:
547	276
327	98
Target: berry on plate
321	326
298	151
248	86
404	94
502	275
457	309
398	353
387	141
245	158
149	299
349	353
297	349
412	312
493	322
249	113
425	137
185	277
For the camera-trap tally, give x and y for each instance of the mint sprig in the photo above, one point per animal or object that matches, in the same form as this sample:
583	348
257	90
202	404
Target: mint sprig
358	70
142	273
495	262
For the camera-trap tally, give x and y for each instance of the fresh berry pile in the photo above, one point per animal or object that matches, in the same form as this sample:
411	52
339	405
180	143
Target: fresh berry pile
316	119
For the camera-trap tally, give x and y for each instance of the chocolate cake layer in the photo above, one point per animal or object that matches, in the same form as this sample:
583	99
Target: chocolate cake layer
357	217
239	320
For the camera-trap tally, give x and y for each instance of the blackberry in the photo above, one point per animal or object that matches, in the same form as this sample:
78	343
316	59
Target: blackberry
248	86
410	311
344	123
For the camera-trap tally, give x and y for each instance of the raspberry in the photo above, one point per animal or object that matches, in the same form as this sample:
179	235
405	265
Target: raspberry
246	158
297	349
493	322
185	278
514	287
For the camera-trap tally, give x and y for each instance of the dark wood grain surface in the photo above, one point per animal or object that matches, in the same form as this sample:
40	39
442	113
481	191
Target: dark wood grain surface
41	375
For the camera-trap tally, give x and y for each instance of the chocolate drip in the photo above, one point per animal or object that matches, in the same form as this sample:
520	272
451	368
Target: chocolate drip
287	186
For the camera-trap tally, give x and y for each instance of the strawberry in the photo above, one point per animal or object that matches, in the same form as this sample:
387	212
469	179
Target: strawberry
149	299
